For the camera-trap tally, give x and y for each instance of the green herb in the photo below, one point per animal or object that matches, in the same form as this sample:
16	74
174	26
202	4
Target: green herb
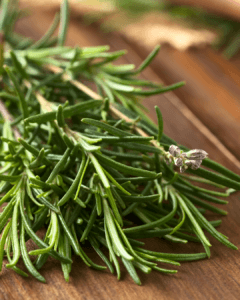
83	164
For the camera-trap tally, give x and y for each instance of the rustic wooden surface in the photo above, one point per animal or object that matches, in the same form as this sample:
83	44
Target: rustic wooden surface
203	114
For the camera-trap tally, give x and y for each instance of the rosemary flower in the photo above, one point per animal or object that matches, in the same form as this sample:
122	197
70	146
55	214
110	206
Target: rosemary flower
193	164
192	158
196	154
174	151
178	161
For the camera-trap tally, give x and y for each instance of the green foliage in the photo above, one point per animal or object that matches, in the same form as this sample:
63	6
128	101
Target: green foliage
84	175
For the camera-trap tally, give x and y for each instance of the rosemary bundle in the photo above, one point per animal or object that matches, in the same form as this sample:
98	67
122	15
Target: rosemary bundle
91	167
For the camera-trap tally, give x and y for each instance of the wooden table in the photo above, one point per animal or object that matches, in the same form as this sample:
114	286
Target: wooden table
204	114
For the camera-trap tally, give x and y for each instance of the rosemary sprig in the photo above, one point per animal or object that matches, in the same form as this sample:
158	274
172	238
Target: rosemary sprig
82	164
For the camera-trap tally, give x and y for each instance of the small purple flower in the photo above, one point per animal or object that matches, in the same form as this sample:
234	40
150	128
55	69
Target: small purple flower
193	164
178	161
190	159
174	150
196	164
196	154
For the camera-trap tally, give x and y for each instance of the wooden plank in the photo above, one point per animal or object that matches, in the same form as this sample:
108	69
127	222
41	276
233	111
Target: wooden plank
217	278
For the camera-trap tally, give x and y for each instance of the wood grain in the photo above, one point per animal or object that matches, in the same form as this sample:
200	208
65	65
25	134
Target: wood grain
216	278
